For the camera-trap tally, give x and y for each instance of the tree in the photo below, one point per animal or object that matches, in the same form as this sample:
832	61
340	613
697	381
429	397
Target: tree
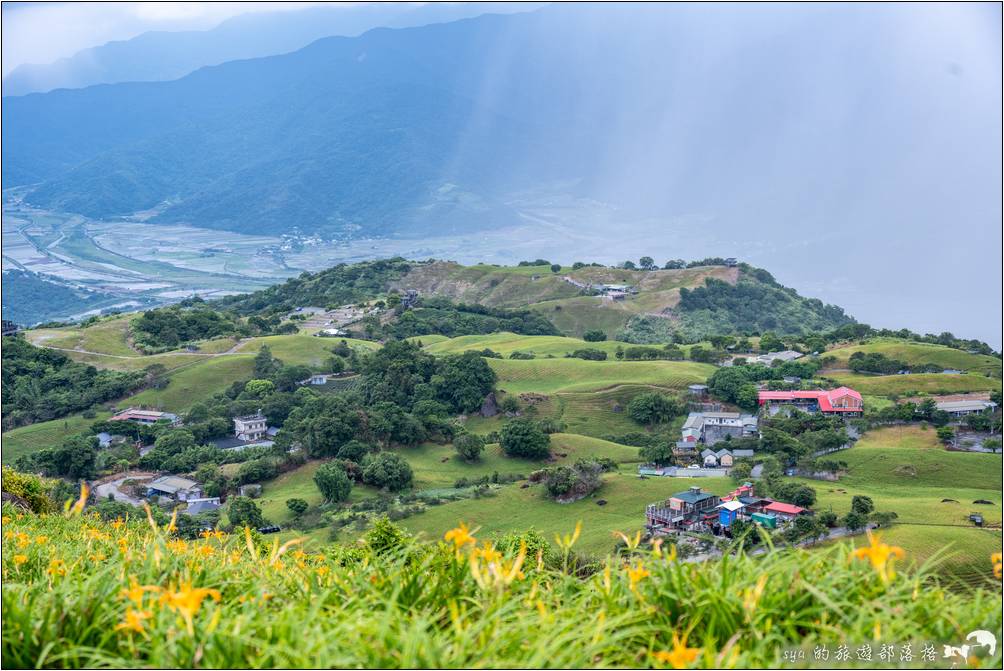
354	450
946	434
259	388
741	472
462	381
828	519
333	483
747	396
660	452
256	470
264	363
297	506
628	265
469	446
855	521
524	438
646	262
769	342
862	505
387	470
594	335
555	267
242	511
652	408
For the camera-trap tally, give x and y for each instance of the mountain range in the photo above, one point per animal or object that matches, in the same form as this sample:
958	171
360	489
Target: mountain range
163	55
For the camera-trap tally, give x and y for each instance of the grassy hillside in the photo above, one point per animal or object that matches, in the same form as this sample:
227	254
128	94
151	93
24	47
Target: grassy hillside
915	353
31	438
107	336
196	382
906	385
554	375
514	508
905	470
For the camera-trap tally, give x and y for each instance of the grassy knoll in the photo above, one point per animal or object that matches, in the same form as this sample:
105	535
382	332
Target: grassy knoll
915	353
302	350
108	336
515	508
34	437
195	382
601	413
905	436
169	360
298	484
906	385
554	375
506	343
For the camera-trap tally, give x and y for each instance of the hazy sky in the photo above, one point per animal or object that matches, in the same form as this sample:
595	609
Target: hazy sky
41	32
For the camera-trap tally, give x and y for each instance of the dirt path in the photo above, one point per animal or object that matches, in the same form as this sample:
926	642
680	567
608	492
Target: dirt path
113	487
233	350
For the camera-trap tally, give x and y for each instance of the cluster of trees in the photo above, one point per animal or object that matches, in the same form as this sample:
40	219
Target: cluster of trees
875	362
436	315
172	326
652	408
754	306
330	288
569	483
668	352
41	384
588	353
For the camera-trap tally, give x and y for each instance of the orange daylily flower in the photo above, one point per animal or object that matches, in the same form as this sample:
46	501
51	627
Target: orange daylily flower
880	555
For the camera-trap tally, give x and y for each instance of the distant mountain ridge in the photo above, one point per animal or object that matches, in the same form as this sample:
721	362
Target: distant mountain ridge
163	55
693	302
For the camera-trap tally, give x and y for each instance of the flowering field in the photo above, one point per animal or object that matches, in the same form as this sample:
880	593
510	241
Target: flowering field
81	592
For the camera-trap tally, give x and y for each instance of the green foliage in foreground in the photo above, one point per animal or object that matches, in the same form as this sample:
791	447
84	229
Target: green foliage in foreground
79	592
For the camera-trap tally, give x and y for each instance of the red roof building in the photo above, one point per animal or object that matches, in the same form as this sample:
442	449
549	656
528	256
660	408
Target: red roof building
841	400
783	509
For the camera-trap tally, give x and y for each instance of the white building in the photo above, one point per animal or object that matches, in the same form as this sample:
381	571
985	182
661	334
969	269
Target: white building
250	427
963	408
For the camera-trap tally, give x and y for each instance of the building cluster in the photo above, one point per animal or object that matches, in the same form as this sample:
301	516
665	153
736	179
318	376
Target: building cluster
709	428
698	511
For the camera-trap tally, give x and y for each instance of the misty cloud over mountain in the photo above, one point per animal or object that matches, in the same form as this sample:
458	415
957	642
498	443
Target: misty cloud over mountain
853	150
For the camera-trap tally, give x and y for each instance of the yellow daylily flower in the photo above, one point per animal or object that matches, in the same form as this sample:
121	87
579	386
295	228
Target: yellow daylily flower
637	573
133	621
680	657
880	555
459	536
20	559
187	600
995	559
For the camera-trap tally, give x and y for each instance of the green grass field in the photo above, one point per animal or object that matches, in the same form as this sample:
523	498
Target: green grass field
915	353
905	470
906	385
108	336
195	382
302	350
34	437
556	375
507	343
